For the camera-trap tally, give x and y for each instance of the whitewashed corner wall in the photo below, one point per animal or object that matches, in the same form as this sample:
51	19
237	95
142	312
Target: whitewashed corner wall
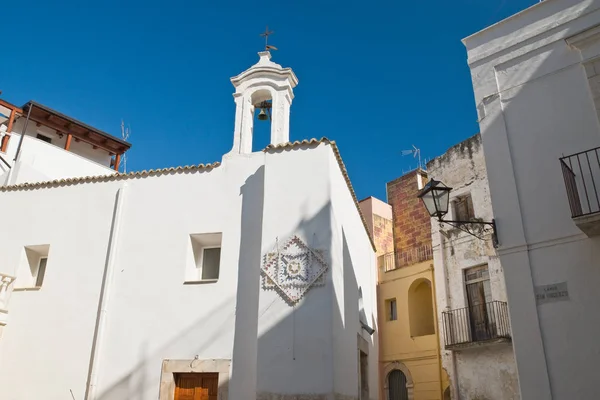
535	105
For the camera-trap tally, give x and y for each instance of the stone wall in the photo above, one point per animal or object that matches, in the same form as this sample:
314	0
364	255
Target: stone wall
483	371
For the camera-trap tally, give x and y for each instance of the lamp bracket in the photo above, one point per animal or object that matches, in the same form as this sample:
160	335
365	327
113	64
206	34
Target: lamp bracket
461	225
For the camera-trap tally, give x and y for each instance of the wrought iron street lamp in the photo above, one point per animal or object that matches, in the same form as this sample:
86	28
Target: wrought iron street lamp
436	198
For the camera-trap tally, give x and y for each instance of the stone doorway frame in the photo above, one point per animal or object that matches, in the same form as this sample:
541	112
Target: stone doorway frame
172	367
387	369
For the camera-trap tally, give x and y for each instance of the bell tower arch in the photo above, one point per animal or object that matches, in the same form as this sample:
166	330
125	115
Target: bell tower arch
267	87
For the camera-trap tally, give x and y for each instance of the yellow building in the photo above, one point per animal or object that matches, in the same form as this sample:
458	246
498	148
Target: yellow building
409	346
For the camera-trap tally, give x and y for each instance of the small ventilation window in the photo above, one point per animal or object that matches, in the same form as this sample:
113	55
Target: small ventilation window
211	258
463	208
204	258
391	309
44	138
33	267
40	272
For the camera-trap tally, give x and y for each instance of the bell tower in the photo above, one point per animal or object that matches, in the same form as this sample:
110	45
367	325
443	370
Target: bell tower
265	87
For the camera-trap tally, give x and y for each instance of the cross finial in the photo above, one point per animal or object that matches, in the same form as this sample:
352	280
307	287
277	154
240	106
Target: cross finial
266	35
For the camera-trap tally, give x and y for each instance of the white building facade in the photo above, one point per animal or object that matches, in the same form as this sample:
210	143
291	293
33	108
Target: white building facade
535	80
475	332
253	278
39	144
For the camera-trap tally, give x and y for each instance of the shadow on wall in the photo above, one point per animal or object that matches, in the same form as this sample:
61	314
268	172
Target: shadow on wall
310	348
294	344
350	324
278	348
143	381
243	372
502	111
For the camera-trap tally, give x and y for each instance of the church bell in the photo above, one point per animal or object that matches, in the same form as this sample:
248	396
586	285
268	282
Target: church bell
262	115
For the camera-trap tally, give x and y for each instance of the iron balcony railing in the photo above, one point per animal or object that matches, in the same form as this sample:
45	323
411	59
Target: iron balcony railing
391	261
581	172
479	323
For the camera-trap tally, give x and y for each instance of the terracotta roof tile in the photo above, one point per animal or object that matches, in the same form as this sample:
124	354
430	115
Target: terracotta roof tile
196	168
109	178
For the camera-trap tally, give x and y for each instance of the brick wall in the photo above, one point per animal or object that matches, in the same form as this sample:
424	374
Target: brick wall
412	225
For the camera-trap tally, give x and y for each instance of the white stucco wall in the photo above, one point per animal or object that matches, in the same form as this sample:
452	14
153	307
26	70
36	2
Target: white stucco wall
40	161
50	330
151	315
535	105
354	268
81	148
482	371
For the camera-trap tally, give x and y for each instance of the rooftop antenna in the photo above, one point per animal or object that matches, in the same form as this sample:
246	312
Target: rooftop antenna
125	135
266	35
416	153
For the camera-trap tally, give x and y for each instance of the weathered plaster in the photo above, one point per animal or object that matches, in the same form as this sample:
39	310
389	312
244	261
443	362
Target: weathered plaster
484	371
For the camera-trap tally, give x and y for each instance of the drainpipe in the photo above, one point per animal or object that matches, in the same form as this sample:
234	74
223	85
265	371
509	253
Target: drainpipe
437	333
23	132
454	374
92	379
10	171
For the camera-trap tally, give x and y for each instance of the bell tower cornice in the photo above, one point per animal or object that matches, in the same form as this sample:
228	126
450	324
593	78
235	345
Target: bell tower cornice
266	86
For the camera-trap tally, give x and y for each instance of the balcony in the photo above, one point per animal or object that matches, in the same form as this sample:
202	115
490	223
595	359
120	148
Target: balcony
485	323
392	261
580	172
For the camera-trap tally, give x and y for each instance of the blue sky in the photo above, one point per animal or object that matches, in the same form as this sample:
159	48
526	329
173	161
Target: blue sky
376	77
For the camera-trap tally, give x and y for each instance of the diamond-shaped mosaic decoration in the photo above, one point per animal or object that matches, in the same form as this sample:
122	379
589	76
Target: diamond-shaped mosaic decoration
293	269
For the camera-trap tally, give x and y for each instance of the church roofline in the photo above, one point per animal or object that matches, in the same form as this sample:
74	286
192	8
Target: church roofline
198	168
109	178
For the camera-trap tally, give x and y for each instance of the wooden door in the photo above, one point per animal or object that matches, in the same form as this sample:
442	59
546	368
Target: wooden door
479	296
397	385
200	386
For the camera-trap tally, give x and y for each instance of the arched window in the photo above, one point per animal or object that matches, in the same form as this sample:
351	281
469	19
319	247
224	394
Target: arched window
420	308
397	385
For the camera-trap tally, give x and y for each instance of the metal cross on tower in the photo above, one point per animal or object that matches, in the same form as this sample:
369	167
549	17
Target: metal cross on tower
266	35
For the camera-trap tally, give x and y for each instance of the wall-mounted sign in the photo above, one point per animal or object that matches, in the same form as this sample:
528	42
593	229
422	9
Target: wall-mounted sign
551	293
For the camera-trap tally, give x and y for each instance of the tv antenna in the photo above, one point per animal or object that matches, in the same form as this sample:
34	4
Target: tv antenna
125	135
415	152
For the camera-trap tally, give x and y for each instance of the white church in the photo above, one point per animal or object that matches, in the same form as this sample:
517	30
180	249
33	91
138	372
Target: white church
249	278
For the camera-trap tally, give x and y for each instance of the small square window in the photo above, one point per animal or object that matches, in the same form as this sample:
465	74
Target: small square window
32	267
463	208
204	258
44	138
391	309
41	271
211	258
